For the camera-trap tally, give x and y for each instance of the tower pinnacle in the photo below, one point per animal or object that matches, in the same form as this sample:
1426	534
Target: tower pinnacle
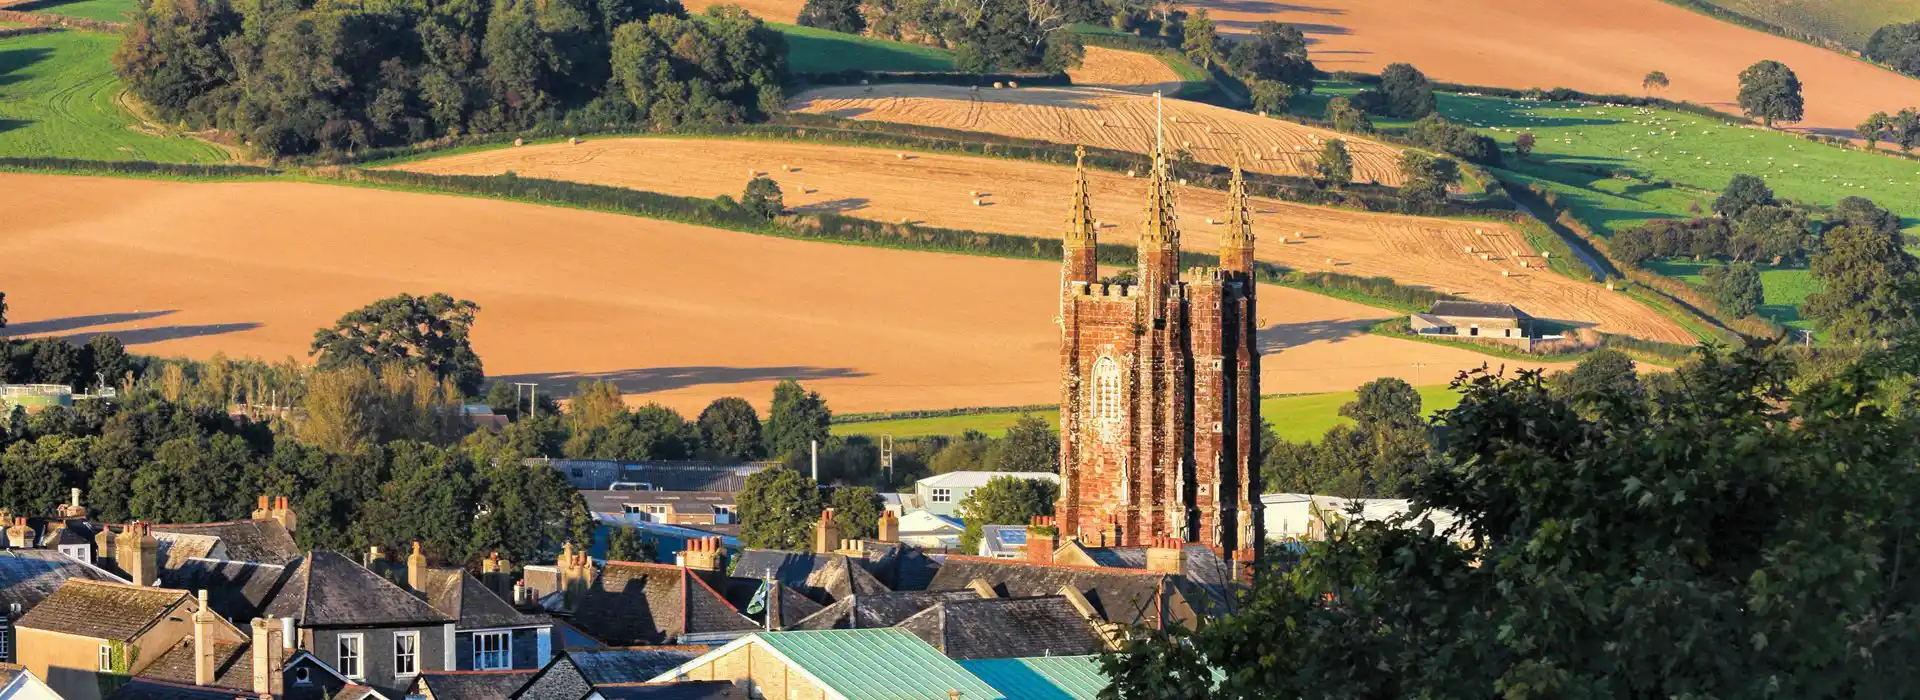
1160	235
1236	240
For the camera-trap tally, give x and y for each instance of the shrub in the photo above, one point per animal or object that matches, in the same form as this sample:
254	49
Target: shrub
763	197
1441	135
1409	94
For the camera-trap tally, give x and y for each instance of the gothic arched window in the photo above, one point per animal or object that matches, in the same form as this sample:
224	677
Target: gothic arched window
1107	411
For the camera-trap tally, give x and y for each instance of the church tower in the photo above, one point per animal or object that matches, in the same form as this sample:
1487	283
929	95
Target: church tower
1159	400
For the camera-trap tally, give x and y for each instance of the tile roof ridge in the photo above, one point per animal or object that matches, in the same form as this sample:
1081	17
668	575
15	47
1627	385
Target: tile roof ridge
129	586
217	522
1056	565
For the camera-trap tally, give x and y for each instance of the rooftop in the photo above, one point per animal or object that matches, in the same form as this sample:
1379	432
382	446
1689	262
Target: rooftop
471	685
232	664
1045	678
879	610
993	628
326	589
264	541
633	603
115	611
237	590
978	479
1477	309
823	577
1127	596
461	596
28	576
882	664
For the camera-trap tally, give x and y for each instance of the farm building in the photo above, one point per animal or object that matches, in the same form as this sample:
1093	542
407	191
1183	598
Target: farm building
1472	319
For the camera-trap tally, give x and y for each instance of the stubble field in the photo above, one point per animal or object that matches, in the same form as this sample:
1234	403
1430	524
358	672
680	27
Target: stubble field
672	313
1026	198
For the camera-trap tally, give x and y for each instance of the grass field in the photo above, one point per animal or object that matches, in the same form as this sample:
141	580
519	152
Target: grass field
1785	288
57	98
105	10
1295	418
811	50
1849	22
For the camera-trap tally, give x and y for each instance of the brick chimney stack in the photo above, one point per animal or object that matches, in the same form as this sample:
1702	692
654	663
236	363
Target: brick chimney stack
103	548
497	573
19	535
203	648
139	553
263	511
1243	565
283	512
889	527
417	569
576	575
72	508
1168	555
1042	540
269	655
826	533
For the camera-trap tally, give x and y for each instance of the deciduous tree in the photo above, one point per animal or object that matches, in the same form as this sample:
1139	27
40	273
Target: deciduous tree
797	418
1736	288
1335	164
429	332
1769	90
730	429
833	15
1654	79
1348	118
777	509
1274	52
1869	285
1199	40
1409	94
1031	445
857	510
1005	500
763	198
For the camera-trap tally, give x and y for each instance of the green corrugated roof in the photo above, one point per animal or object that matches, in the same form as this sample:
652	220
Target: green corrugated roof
882	664
1042	678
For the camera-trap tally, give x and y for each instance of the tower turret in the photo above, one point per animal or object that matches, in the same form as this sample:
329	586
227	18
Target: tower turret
1083	241
1236	240
1160	233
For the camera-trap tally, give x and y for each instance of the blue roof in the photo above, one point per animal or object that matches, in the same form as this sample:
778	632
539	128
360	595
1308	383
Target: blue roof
1042	678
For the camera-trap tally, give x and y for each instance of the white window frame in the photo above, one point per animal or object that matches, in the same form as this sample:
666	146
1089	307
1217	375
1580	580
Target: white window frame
723	515
6	643
940	496
412	655
358	671
505	652
302	676
106	657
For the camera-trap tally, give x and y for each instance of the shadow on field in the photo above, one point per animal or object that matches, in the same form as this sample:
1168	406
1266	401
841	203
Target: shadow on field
1286	335
12	61
1271	7
7	125
56	325
142	336
651	379
834	206
1310	29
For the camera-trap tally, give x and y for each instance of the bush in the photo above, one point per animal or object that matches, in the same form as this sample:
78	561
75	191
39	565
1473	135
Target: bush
1348	117
1447	137
1271	96
1736	288
763	197
833	15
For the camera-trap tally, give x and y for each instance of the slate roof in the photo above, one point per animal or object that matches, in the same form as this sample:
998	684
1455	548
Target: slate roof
631	665
355	692
1476	309
177	548
237	590
464	598
883	664
788	608
1126	596
327	590
823	577
997	628
637	603
28	576
101	610
1206	573
264	541
683	690
470	685
149	689
232	665
880	610
1047	678
900	567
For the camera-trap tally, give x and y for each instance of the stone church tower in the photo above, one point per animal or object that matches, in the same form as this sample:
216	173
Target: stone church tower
1160	381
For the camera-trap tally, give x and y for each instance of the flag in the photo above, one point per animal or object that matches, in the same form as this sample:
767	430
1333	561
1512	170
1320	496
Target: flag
759	603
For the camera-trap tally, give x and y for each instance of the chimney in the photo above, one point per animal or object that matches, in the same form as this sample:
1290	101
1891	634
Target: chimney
519	593
497	574
283	512
984	589
826	533
20	535
269	655
417	569
889	527
103	549
139	553
1168	555
287	637
264	511
702	554
72	508
203	619
1243	565
576	575
1042	539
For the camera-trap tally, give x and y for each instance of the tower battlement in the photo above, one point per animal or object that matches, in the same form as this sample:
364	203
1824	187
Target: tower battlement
1102	290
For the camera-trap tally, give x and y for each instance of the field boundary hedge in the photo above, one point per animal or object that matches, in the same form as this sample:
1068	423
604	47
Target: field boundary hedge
27	31
883	416
61	21
143	168
1760	25
864	77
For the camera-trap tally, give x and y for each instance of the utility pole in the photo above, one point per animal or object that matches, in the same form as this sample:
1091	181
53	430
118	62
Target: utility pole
533	396
886	457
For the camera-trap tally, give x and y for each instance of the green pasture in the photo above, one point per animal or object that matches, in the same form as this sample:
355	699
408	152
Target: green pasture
104	10
57	98
1784	289
1296	418
811	50
1850	22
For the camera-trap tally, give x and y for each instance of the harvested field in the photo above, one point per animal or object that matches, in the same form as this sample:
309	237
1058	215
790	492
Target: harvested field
782	11
1026	198
1107	119
1600	46
1125	70
678	314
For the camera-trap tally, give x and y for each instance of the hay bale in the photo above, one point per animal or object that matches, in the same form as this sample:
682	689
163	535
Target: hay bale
901	156
1484	256
1506	273
1012	84
519	142
1131	173
997	85
1329	261
1469	250
1546	253
575	141
1300	235
978	203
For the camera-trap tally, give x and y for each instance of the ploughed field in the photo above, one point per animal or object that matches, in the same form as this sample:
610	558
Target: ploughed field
674	313
1115	119
1598	46
1027	198
1124	70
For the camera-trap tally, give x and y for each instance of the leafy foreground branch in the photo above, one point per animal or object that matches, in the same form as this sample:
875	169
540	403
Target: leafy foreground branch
1737	533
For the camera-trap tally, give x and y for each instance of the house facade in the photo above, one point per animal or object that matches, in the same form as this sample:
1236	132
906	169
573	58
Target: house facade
942	494
368	628
90	635
1476	321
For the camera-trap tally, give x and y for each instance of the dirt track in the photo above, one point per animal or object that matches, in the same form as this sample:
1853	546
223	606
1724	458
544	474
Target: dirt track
1601	46
1105	118
1029	199
679	314
1124	70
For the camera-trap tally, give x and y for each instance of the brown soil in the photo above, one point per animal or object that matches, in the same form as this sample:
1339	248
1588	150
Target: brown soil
1026	198
1105	118
678	314
1124	70
1600	46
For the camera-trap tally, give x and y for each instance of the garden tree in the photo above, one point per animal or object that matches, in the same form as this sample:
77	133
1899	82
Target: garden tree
777	508
1775	233
1005	500
730	429
1408	93
350	408
857	510
833	15
1769	90
968	453
797	418
1654	79
1031	445
1199	40
1335	164
649	432
1372	458
1875	128
1523	144
1274	52
724	67
427	332
517	504
1607	377
1427	179
1898	46
1860	211
1270	96
1735	287
1869	285
1348	118
1743	192
1627	553
191	480
762	197
35	473
1437	133
426	493
1388	402
624	543
595	404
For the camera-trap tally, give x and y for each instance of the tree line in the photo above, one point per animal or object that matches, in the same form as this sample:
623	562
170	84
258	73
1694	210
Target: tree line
985	36
291	78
